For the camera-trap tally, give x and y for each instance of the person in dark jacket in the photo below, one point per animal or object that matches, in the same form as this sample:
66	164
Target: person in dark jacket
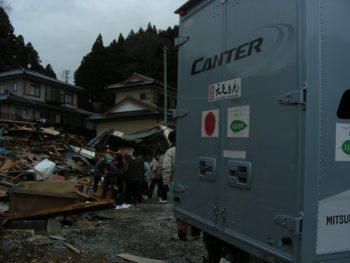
134	177
113	177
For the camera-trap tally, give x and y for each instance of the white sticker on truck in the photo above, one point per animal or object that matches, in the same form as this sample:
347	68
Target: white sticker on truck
238	121
342	142
333	228
210	123
228	89
234	154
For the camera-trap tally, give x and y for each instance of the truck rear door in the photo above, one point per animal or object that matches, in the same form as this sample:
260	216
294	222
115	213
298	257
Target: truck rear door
262	129
199	141
238	147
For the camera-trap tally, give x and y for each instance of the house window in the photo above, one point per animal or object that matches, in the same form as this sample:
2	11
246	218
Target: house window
33	90
53	95
21	113
14	87
68	98
48	116
65	120
145	96
2	89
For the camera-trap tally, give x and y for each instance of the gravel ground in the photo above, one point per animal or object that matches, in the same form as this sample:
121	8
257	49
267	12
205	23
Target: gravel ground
143	230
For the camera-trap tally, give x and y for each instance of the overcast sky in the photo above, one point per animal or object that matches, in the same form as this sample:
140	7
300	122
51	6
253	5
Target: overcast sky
63	31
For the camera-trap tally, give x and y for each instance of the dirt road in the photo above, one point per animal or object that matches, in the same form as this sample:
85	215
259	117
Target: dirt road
144	230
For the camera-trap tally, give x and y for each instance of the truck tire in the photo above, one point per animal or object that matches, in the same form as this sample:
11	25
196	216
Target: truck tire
212	246
217	249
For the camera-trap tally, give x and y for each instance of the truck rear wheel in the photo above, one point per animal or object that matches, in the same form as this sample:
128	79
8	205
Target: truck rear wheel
217	250
213	247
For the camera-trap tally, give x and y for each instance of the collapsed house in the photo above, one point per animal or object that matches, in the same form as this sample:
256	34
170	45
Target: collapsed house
46	172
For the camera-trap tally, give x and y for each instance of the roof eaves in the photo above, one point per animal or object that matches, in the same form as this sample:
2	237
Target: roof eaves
25	72
130	85
122	115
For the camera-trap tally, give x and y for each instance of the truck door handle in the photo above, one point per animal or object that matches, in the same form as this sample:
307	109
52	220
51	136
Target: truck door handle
239	174
207	169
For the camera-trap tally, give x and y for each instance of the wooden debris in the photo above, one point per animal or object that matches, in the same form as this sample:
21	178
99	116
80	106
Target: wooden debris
6	184
70	209
138	259
7	165
50	187
71	247
18	234
56	237
3	193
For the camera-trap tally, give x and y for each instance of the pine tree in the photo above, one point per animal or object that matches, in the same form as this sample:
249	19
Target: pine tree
98	45
6	42
34	62
14	53
49	71
91	73
140	52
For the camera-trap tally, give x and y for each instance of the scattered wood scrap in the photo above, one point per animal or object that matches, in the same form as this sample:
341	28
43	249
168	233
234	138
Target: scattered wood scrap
70	209
138	259
71	247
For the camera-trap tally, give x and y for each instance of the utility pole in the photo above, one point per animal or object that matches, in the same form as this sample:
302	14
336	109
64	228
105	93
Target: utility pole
65	75
165	89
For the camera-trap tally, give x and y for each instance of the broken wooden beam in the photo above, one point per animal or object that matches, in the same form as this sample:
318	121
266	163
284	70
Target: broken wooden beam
138	259
71	247
70	209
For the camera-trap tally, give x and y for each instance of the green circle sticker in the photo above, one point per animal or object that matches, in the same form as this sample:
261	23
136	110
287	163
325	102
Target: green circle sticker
346	147
238	125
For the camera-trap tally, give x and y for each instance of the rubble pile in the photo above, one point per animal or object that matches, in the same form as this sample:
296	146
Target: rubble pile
44	172
27	144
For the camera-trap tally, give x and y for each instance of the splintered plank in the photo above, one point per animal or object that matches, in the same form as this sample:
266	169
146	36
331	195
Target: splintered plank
138	259
71	247
70	209
7	165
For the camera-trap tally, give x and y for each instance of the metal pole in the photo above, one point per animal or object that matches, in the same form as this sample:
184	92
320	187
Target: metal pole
165	89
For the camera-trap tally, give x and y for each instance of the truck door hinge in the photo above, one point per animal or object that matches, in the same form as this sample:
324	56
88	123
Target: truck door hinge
294	97
223	215
179	41
179	113
293	224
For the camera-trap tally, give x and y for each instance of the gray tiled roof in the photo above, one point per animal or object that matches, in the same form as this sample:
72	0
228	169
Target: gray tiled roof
24	72
10	97
149	82
122	115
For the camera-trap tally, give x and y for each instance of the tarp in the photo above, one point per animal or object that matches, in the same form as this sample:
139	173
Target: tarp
98	138
141	135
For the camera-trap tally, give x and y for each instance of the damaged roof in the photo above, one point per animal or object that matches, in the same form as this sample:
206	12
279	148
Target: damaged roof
10	97
155	137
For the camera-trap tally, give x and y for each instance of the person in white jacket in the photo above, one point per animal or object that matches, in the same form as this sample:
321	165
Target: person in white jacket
168	171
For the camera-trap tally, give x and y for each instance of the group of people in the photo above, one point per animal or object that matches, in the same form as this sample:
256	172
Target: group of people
132	179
